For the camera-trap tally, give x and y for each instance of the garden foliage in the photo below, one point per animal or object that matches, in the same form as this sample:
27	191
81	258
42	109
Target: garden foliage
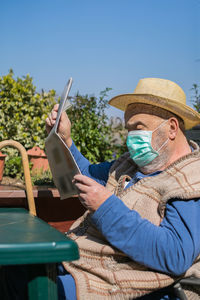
91	130
23	111
196	97
22	118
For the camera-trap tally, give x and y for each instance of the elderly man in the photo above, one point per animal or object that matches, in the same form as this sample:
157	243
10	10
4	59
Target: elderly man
141	230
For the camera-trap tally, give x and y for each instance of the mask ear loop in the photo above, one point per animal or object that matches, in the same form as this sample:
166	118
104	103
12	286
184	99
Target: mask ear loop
163	145
167	138
160	125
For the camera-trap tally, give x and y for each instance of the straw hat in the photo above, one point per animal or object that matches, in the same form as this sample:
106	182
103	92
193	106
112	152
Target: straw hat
161	93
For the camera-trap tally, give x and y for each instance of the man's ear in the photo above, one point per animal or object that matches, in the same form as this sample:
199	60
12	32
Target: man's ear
173	128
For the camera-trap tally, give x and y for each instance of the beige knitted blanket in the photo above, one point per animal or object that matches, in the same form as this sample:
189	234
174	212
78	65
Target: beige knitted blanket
103	272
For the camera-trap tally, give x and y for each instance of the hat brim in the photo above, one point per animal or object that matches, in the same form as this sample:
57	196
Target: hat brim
190	117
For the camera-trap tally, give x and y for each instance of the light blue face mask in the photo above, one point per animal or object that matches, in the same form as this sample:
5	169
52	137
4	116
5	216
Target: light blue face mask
139	146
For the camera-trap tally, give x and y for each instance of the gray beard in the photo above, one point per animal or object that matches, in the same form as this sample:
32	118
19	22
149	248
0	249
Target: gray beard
161	160
157	164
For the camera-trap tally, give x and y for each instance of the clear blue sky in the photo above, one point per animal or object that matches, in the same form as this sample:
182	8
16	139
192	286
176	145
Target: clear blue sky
101	43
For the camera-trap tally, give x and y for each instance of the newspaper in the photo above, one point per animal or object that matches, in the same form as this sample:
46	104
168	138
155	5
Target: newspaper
61	161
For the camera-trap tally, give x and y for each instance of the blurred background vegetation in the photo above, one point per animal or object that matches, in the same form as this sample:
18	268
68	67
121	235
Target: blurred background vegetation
23	111
196	96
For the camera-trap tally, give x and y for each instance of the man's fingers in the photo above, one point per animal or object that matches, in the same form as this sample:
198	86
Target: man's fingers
54	115
50	121
56	107
84	180
82	187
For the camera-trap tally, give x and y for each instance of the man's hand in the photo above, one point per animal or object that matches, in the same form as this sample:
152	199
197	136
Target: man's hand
91	193
64	127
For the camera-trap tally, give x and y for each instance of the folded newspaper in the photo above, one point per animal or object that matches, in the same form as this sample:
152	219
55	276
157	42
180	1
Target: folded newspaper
61	161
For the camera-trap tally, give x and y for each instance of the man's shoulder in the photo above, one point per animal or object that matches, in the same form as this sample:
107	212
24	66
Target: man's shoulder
189	161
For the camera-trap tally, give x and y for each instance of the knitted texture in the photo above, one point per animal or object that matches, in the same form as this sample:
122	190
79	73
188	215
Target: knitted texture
103	272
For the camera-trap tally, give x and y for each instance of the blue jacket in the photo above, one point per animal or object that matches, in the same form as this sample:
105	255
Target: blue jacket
171	247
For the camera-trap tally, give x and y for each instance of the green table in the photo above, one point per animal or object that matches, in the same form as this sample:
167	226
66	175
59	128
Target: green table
27	240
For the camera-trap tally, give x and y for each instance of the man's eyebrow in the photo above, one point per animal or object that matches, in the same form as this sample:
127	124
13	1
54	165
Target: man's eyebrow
134	125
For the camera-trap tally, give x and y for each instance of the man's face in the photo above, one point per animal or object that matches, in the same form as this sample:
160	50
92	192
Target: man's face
141	121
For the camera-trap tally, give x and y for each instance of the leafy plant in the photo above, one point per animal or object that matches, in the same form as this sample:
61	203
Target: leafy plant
13	163
196	97
22	116
91	130
119	134
42	178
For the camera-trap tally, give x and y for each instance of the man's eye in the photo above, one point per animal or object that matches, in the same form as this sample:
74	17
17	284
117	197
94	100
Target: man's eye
139	127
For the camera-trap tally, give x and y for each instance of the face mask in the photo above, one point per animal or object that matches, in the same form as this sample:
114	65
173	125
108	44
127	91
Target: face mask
139	146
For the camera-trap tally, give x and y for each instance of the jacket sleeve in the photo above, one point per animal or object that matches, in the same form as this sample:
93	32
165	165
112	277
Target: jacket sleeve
98	172
171	247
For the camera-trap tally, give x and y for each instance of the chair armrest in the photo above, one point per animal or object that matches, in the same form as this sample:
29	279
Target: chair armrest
190	281
177	287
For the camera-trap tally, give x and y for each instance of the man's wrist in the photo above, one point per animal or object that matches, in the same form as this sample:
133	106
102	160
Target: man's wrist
67	141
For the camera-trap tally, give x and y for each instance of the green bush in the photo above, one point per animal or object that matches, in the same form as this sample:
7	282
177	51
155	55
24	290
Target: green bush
196	97
22	116
43	178
91	130
13	163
